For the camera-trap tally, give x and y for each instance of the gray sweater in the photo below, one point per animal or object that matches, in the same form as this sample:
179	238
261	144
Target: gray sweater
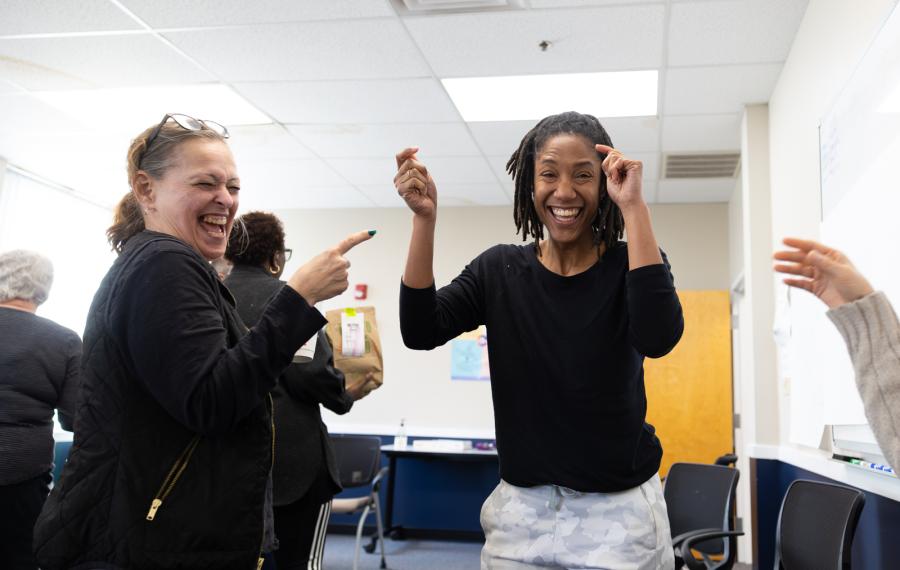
872	332
39	371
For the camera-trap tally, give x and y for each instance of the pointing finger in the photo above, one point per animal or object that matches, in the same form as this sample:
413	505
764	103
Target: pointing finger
353	240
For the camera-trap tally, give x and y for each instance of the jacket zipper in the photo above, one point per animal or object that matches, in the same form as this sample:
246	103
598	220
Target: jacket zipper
259	563
172	477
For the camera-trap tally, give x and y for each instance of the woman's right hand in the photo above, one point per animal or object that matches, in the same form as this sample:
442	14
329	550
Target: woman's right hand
823	271
325	275
415	185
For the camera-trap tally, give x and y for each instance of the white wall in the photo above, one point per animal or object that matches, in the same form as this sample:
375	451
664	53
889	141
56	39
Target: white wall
830	42
417	384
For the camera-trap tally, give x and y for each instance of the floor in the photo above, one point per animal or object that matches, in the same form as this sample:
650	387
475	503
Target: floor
411	555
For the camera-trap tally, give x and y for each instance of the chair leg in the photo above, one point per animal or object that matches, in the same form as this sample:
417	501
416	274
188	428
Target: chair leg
359	529
380	527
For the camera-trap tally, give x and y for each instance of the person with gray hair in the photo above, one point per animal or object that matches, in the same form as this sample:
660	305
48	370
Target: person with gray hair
39	363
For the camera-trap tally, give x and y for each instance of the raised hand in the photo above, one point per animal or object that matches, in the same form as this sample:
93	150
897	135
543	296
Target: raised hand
821	270
325	275
623	177
415	185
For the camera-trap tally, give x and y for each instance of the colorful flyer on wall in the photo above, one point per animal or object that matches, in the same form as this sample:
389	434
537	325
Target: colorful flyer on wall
469	356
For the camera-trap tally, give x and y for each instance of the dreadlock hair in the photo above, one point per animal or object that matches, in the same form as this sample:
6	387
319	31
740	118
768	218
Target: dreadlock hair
608	225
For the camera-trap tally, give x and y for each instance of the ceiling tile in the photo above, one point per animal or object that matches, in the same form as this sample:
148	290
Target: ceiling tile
580	3
265	142
25	116
445	170
180	14
738	31
698	133
94	61
692	191
378	141
18	17
632	134
305	198
449	195
464	45
7	88
500	137
353	102
91	163
718	89
350	49
498	165
284	178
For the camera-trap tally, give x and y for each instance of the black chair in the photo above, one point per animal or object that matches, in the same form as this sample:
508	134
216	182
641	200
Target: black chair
358	459
700	499
816	526
727	460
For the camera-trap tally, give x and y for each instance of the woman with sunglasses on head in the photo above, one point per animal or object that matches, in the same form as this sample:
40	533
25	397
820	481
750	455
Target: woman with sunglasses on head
570	319
305	475
172	455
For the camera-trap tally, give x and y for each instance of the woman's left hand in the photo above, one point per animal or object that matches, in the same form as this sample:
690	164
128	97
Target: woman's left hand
623	177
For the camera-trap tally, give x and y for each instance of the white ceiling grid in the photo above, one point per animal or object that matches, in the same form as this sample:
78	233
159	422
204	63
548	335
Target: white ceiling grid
348	83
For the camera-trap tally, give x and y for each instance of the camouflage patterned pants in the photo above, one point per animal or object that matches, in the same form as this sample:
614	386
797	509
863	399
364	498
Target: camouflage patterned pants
556	527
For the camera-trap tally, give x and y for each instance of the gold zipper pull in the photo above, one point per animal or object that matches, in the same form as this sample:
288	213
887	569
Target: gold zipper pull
259	564
154	506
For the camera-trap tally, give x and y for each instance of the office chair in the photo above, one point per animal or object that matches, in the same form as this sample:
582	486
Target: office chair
359	460
816	526
699	498
727	460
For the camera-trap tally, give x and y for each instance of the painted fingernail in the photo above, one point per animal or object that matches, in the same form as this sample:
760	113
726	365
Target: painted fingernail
373	232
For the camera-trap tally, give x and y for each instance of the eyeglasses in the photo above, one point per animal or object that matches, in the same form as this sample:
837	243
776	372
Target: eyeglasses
287	253
187	123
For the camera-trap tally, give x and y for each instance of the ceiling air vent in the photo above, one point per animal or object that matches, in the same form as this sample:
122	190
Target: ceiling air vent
719	165
444	6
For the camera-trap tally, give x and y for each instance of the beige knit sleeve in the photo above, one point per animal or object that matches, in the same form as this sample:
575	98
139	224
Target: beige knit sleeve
872	333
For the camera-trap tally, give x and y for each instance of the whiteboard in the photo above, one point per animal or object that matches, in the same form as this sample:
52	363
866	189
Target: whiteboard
860	189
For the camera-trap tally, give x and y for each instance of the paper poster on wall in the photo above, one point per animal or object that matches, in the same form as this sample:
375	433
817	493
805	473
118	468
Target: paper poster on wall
469	356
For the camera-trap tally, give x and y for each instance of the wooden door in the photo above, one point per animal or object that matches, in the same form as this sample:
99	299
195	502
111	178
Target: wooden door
689	391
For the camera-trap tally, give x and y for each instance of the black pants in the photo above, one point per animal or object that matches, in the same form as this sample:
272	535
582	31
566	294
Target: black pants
20	505
301	527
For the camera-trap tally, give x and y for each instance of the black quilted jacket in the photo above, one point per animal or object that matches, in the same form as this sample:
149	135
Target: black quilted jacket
173	441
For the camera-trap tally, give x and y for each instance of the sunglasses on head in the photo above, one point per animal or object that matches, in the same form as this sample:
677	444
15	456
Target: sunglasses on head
187	123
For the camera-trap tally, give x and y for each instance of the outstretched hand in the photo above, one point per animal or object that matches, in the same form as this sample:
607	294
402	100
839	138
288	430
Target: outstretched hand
325	276
823	271
624	177
415	185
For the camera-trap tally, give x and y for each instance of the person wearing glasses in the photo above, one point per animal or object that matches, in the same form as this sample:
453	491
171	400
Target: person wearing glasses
173	448
305	475
868	323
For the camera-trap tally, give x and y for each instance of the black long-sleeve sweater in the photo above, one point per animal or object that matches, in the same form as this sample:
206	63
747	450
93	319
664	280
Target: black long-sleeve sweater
566	358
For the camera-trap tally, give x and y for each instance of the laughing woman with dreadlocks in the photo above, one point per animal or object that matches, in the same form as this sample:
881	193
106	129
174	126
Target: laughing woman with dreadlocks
570	319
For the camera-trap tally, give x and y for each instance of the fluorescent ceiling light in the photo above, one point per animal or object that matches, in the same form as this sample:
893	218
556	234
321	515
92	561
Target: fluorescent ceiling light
531	97
130	109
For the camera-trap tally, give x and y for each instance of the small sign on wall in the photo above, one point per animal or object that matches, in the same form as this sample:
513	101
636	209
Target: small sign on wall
469	356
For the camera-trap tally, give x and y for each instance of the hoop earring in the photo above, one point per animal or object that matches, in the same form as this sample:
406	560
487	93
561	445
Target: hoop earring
275	270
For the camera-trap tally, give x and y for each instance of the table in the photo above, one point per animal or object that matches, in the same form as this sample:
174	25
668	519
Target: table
469	455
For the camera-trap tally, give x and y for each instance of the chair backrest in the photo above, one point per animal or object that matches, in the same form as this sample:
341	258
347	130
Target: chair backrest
358	458
700	496
816	525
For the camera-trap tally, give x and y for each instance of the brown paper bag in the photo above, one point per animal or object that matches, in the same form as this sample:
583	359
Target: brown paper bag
355	368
